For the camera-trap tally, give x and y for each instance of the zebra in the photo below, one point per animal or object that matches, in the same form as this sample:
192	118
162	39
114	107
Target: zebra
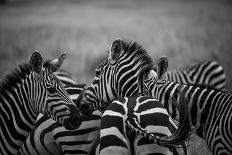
146	116
207	73
112	80
210	110
28	90
65	77
50	137
113	77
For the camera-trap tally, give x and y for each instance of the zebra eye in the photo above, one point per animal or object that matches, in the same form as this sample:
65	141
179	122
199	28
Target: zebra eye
51	90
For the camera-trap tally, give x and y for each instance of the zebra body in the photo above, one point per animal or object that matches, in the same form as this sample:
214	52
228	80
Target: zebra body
210	110
25	93
204	73
149	119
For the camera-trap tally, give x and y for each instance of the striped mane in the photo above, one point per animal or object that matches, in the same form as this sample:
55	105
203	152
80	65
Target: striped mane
15	77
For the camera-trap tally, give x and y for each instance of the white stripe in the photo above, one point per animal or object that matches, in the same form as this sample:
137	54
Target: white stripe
154	110
112	113
158	129
144	102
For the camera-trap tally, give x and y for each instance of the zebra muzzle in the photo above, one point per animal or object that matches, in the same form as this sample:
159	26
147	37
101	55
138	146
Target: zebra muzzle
86	109
75	120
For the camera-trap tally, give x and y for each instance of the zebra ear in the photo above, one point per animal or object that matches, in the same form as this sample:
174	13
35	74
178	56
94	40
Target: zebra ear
56	64
116	49
162	67
36	63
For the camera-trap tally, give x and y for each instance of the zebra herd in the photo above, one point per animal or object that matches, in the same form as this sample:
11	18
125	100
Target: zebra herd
132	106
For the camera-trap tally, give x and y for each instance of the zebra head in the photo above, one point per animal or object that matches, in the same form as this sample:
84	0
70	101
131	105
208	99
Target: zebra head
116	77
49	96
152	80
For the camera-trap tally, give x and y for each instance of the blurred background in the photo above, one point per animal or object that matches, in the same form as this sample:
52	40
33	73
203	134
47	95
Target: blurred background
186	31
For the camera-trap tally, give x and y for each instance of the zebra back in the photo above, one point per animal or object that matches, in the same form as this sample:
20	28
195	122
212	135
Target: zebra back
209	74
147	117
180	135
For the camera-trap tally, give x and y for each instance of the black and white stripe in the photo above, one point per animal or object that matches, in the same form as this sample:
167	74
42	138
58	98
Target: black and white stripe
156	131
25	93
209	74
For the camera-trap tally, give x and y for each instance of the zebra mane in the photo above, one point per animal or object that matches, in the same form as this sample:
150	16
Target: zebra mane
130	47
15	77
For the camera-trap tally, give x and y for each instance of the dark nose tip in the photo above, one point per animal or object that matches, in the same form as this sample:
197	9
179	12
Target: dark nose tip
77	120
73	122
86	109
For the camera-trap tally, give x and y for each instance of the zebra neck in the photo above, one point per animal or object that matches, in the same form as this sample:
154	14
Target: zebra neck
17	113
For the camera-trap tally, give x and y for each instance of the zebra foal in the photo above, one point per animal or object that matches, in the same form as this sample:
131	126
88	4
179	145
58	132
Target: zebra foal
29	90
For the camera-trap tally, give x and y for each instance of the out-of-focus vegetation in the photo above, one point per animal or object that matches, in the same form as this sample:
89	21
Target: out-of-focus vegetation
185	31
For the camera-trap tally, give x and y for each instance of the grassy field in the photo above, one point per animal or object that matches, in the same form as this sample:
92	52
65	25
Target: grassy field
185	31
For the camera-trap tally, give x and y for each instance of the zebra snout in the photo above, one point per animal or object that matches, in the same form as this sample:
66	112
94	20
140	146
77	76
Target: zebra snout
86	109
75	120
73	123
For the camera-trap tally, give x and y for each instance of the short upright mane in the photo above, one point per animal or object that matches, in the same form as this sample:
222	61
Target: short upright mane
130	47
14	77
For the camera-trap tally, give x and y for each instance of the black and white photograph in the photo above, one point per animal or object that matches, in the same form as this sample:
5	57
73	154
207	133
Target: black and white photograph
115	77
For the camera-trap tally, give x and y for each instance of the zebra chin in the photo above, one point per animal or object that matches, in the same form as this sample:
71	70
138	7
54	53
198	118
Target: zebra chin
74	121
